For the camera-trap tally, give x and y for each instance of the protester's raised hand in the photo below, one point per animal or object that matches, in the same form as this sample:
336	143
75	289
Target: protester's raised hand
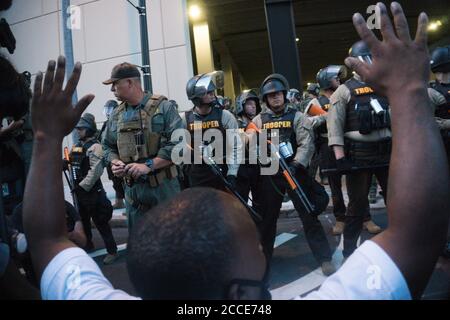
52	113
398	61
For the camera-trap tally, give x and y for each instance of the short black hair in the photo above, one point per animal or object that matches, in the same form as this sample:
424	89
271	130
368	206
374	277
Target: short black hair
183	249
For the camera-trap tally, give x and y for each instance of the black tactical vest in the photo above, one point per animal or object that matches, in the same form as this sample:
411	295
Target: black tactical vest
325	104
213	120
442	111
360	114
284	124
80	161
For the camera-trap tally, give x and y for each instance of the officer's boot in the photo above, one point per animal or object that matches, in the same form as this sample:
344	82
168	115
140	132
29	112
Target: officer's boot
328	268
371	227
338	228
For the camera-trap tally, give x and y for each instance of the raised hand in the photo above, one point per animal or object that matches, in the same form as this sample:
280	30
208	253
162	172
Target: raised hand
397	59
52	113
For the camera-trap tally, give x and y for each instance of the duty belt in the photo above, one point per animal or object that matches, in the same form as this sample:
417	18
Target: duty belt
382	147
368	153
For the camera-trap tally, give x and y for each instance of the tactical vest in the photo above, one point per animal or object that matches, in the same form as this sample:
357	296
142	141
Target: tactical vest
325	104
360	115
79	161
284	124
213	120
442	111
242	124
136	140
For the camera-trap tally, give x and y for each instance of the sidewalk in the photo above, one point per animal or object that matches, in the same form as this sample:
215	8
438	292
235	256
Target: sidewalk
119	219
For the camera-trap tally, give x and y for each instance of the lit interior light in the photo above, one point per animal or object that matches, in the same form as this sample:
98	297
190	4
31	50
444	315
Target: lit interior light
195	12
434	25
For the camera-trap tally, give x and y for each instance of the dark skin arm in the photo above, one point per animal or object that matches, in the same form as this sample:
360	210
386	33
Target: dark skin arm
53	117
418	192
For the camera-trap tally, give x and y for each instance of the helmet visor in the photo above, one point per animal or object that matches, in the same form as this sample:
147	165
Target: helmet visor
210	82
336	71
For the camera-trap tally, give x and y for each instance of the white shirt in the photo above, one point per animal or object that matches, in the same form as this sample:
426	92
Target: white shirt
369	273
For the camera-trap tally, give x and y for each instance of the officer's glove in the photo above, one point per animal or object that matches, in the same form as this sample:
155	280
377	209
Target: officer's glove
232	180
344	165
295	167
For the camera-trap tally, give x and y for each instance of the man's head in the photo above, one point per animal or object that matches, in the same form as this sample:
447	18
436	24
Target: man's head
361	51
329	78
313	90
440	63
201	88
194	247
247	103
15	93
125	82
109	107
274	91
294	96
86	127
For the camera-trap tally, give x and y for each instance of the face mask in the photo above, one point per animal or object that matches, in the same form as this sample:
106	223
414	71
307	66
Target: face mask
264	290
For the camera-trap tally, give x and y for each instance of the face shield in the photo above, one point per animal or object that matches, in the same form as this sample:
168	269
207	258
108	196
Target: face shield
336	71
293	96
109	108
209	82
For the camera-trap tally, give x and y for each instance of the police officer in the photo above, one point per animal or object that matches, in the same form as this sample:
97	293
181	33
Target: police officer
278	118
108	109
138	142
312	92
206	118
247	107
440	66
329	79
86	159
359	133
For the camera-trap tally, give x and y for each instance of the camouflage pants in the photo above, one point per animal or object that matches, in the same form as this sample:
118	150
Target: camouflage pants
141	197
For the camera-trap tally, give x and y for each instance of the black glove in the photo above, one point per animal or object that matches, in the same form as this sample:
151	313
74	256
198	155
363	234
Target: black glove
232	180
344	165
295	167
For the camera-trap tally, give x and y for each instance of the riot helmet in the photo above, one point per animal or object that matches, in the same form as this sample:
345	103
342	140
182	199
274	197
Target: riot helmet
198	86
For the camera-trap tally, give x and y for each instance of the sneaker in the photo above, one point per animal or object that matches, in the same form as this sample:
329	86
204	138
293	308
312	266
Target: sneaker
110	258
327	268
371	227
338	228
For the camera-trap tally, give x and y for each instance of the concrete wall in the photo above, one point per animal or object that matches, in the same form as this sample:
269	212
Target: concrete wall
108	34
